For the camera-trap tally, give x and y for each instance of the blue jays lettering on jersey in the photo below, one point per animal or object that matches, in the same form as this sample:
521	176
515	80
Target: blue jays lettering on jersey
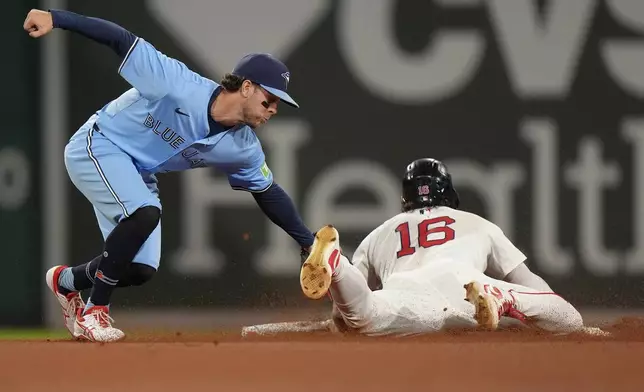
237	152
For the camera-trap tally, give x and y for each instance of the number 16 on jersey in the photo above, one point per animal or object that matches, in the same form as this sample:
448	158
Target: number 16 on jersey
425	229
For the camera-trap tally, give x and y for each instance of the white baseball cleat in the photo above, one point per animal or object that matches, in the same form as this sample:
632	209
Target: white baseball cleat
96	326
316	272
489	307
70	303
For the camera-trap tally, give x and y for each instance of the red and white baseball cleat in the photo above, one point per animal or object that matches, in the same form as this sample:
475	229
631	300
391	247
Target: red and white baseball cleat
96	325
316	272
491	304
69	303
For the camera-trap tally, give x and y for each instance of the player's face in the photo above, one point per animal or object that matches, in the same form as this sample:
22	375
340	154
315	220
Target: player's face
260	107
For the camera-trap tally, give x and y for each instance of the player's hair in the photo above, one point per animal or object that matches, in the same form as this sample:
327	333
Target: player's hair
231	83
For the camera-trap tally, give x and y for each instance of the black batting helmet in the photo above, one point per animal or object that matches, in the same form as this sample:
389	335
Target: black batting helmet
427	184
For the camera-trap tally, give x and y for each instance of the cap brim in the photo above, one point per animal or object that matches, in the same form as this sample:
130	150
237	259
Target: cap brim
282	96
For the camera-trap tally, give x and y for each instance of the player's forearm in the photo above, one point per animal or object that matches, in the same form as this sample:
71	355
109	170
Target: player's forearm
523	276
536	282
99	30
279	208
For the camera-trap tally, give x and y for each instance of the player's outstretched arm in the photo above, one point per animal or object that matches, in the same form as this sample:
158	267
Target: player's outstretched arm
151	72
279	208
39	23
507	262
523	276
276	204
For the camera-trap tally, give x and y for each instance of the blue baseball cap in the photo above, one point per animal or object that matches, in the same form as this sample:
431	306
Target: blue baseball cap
268	72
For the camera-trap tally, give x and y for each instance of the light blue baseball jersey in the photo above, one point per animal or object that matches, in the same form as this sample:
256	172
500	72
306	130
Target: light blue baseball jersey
164	122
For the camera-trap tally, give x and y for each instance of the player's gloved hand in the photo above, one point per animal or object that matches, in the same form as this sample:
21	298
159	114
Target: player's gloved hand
38	23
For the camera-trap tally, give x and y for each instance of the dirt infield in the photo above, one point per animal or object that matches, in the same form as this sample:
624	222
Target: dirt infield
510	360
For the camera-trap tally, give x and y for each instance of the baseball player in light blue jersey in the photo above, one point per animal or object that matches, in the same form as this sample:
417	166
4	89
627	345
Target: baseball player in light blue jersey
172	119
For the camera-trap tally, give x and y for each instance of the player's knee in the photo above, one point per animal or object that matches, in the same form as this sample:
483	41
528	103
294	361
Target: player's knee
140	274
146	218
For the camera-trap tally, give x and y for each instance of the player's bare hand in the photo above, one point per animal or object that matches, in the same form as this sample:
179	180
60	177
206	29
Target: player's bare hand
38	23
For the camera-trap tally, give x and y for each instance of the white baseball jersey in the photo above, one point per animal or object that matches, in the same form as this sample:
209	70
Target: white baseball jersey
415	247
